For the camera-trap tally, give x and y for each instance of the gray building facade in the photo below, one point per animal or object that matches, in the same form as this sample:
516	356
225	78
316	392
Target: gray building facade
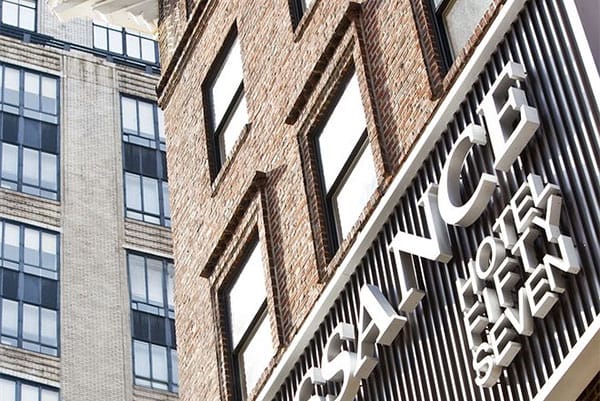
85	263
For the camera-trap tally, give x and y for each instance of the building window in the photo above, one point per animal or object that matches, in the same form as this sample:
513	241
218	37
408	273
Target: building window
144	162
248	322
153	322
456	21
19	13
118	40
224	96
29	288
29	154
299	8
348	176
12	389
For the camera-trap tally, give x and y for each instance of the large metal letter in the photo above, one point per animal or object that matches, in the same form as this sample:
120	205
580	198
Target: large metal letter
452	210
510	121
378	323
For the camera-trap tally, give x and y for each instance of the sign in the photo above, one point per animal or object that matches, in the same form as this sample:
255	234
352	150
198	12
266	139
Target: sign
508	285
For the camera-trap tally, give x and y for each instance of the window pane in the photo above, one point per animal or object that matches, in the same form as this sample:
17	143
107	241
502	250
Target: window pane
174	367
11	86
142	359
247	295
137	277
32	247
9	162
227	82
115	41
155	281
32	91
170	280
129	114
49	327
7	390
132	191
146	119
461	17
165	194
49	395
31	167
356	191
10	13
31	324
49	174
148	50
27	18
234	128
257	354
49	95
29	393
133	46
49	251
159	363
161	125
150	195
9	317
341	132
100	38
11	242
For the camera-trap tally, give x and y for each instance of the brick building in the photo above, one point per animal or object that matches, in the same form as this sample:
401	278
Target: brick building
384	200
85	255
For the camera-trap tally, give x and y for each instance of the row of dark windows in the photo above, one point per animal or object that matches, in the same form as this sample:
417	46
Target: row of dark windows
30	306
30	145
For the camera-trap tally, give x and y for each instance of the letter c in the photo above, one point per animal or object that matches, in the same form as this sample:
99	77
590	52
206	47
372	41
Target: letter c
450	203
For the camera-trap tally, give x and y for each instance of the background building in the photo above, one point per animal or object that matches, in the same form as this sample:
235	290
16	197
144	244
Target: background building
384	200
86	265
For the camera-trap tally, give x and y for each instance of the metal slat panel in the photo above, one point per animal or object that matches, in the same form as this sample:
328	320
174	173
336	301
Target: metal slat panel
430	359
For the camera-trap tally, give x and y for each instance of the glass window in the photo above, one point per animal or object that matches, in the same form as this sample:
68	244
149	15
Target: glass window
346	161
299	8
29	160
257	355
227	101
13	389
248	322
29	292
153	327
19	13
456	21
146	190
125	42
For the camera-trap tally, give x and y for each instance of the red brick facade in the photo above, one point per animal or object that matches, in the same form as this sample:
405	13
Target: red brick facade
267	187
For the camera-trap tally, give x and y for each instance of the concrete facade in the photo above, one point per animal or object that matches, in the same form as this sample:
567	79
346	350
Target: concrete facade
269	184
95	347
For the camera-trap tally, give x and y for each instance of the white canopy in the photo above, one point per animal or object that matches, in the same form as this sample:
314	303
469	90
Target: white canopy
140	15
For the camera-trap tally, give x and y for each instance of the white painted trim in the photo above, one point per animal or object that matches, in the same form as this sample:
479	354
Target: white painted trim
25	376
499	27
583	46
147	251
577	370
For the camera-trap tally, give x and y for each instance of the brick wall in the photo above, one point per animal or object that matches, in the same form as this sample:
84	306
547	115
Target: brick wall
290	76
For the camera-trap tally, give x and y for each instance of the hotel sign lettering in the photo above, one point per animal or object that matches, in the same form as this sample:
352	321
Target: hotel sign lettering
507	285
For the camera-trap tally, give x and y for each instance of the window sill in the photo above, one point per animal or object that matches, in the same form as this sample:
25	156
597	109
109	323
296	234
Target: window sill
143	393
225	167
151	226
